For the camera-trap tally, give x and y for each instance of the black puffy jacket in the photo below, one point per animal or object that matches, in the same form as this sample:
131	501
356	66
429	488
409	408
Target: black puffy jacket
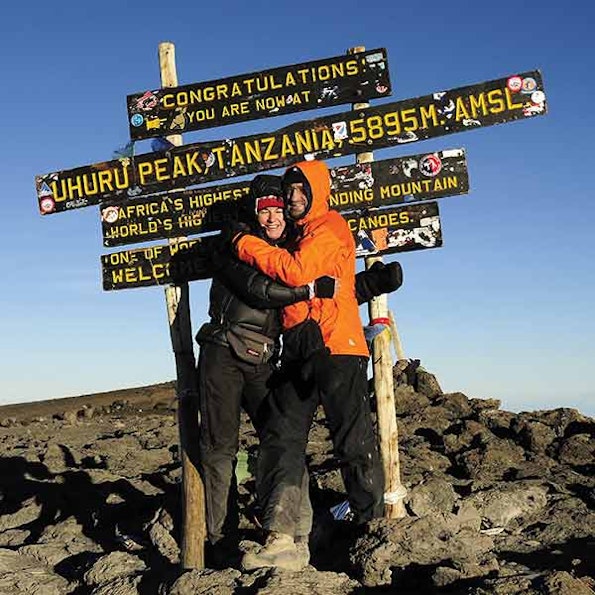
242	295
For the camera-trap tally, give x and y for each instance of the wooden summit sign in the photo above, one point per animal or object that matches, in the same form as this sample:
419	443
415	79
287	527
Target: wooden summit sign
376	232
397	229
411	178
171	215
376	184
493	102
283	90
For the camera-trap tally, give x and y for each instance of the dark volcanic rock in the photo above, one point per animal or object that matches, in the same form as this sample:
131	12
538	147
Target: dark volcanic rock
500	505
24	575
578	451
504	503
434	495
534	436
492	461
113	566
389	547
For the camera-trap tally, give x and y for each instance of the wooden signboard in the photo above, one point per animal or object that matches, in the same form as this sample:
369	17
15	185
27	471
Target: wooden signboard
380	183
283	90
396	229
412	178
175	214
148	266
378	231
465	108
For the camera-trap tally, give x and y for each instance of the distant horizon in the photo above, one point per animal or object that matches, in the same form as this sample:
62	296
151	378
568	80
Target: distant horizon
587	412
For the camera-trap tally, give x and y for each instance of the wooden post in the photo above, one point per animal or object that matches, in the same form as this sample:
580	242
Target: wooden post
394	491
180	328
394	332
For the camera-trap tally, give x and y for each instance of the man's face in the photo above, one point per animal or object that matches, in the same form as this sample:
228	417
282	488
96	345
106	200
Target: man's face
296	200
272	221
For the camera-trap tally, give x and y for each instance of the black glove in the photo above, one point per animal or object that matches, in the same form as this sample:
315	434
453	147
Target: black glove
378	279
220	256
190	264
232	232
239	229
323	287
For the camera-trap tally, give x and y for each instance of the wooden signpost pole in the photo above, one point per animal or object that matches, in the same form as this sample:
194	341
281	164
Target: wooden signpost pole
178	311
394	331
394	491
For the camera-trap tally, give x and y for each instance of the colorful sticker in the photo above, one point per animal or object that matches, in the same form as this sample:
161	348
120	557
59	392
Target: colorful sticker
110	214
134	191
538	97
514	84
409	165
210	160
47	205
45	190
377	57
533	109
340	130
153	124
430	165
529	85
147	102
329	93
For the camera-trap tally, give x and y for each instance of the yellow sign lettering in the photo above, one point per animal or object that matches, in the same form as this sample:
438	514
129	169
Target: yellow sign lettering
509	102
268	152
145	169
461	110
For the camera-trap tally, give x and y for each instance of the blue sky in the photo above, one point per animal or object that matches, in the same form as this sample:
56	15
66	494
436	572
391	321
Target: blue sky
503	310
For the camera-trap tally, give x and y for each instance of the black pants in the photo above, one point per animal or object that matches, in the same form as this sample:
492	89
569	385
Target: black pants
227	384
285	435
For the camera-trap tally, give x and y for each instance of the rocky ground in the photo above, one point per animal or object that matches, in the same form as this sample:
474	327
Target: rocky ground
498	503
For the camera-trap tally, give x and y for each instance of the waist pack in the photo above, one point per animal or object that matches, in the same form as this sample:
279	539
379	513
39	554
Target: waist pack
250	346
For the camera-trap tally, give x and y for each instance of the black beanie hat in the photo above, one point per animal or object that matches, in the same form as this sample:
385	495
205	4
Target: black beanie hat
261	185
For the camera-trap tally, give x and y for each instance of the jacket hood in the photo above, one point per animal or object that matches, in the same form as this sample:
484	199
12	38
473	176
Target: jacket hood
317	175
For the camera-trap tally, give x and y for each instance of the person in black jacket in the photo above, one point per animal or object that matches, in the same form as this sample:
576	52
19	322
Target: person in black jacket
238	348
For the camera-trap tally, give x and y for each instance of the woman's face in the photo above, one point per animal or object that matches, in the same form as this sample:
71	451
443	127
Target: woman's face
272	221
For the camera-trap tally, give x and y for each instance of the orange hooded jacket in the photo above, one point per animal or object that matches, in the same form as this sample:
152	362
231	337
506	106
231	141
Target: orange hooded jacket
326	247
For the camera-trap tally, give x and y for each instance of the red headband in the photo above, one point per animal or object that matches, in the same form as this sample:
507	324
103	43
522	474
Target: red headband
269	201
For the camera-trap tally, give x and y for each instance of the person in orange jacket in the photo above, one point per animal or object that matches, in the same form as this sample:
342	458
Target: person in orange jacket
324	360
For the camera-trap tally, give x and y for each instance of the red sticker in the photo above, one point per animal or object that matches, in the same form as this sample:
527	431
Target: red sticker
514	84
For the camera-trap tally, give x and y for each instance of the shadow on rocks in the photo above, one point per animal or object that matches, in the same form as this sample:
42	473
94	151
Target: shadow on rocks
74	507
576	556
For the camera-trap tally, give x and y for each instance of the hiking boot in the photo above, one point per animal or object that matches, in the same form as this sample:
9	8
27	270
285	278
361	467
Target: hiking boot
279	551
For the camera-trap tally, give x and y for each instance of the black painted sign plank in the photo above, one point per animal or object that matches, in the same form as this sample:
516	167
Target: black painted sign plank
145	267
381	183
396	229
412	178
283	90
377	231
465	108
175	214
